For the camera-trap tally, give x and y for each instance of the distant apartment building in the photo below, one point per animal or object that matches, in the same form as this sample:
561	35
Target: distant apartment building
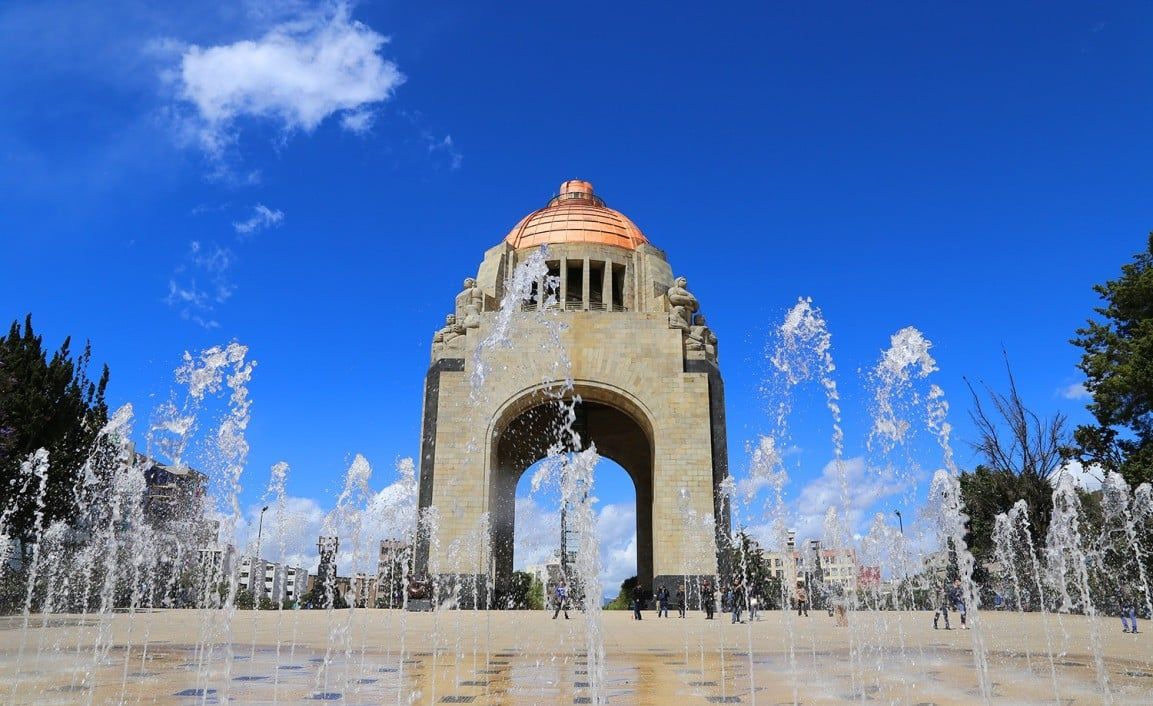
171	492
217	560
549	574
363	591
812	563
215	565
295	583
260	577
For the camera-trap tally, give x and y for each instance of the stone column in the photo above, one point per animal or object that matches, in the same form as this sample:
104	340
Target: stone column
607	285
585	289
563	283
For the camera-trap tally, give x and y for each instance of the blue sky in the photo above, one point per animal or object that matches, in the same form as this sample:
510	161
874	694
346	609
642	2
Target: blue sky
314	179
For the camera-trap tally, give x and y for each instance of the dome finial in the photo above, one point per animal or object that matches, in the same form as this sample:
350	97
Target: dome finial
576	188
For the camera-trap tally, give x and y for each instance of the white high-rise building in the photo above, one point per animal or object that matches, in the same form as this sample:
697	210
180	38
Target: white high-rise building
295	583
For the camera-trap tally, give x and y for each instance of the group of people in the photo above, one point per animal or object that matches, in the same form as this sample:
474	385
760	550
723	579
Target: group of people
663	598
951	597
736	599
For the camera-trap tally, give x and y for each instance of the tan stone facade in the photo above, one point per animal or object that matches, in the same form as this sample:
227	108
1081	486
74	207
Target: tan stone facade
651	399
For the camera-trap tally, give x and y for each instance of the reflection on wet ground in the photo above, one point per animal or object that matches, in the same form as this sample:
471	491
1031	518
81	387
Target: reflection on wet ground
749	665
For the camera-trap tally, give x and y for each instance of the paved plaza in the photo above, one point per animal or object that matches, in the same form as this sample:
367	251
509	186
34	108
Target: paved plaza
385	657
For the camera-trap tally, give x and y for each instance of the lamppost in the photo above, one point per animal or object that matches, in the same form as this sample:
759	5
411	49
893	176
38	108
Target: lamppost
259	529
904	549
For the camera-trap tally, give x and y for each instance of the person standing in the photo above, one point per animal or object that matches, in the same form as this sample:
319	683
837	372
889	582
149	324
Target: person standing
736	602
943	611
709	599
560	599
637	604
1128	611
681	601
663	601
802	600
957	598
841	607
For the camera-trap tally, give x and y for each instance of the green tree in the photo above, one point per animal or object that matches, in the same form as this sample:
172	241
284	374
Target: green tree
519	591
536	595
747	559
244	599
45	402
1118	366
624	599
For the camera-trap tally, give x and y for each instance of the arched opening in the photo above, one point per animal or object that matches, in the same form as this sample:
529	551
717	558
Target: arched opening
523	435
537	532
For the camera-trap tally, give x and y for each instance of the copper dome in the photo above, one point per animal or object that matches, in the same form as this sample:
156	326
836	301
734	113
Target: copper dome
576	215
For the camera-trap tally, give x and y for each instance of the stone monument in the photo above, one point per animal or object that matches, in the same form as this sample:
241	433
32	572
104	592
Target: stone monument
644	365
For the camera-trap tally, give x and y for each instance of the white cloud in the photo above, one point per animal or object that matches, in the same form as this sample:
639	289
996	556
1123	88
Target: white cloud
537	534
865	487
1076	391
201	283
289	536
445	147
358	122
617	537
538	539
1086	478
263	217
296	75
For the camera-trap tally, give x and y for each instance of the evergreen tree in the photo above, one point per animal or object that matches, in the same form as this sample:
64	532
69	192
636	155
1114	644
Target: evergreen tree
45	402
1118	366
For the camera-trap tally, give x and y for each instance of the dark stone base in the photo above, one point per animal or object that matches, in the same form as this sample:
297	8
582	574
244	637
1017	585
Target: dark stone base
461	591
419	605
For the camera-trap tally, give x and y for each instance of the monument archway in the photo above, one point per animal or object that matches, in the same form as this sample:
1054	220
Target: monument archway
523	434
643	362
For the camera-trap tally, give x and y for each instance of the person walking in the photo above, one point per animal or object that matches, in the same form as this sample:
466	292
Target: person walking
709	599
802	600
1128	608
736	603
560	600
943	610
681	601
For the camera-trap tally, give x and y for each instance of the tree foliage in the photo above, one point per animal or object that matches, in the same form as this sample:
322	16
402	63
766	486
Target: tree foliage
624	599
1118	366
519	596
45	402
747	559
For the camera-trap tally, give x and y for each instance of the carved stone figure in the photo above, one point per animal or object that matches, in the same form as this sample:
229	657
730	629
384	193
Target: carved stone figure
701	338
472	316
449	336
682	305
469	303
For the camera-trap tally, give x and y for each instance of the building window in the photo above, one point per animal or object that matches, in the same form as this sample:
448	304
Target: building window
596	285
574	284
618	302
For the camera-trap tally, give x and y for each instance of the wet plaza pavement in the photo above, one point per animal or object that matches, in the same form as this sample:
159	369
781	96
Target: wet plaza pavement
389	657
